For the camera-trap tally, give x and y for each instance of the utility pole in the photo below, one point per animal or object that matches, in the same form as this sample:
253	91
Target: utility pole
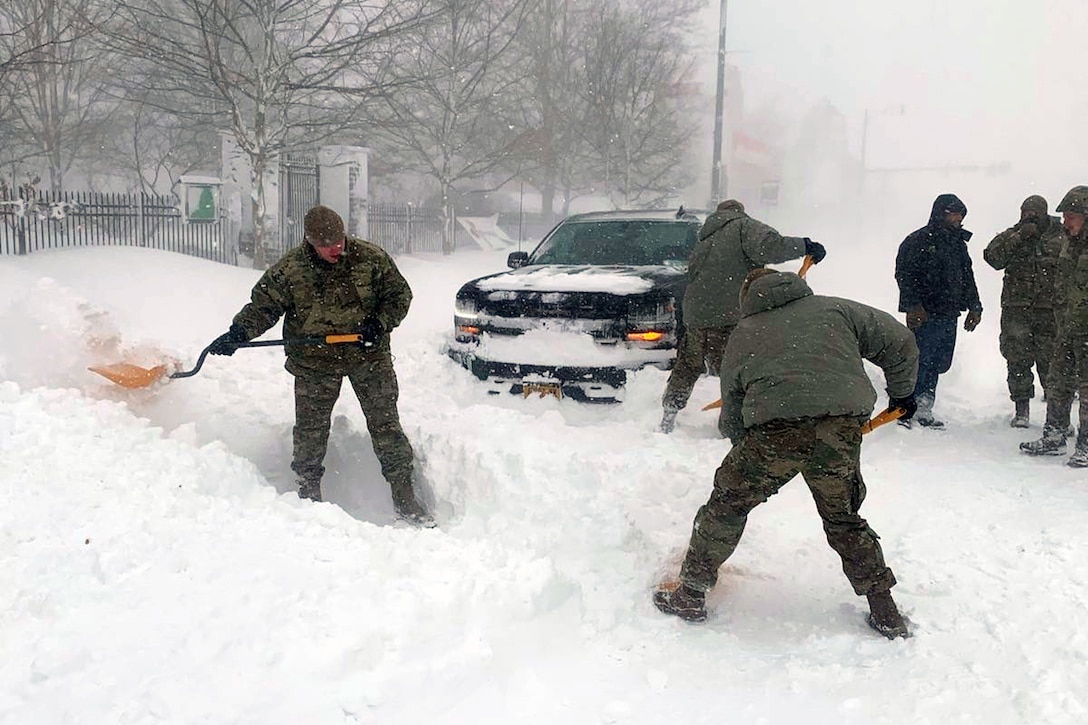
717	179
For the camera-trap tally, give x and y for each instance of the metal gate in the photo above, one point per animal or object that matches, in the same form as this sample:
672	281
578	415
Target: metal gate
299	191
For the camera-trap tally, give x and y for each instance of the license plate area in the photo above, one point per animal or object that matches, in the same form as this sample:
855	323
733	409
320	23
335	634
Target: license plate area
542	390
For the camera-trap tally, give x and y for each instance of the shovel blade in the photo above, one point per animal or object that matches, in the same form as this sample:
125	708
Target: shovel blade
128	375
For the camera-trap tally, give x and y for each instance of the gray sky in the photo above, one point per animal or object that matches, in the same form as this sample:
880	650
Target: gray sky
979	81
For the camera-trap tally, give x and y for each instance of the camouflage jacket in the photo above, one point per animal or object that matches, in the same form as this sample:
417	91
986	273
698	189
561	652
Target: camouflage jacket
1031	266
316	298
797	355
730	245
1073	318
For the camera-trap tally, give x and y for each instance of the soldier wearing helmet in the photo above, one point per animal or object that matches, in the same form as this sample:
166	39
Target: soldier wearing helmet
1028	252
1069	363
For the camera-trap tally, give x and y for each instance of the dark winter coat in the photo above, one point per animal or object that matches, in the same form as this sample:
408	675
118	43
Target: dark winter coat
1032	278
730	245
933	267
317	298
797	355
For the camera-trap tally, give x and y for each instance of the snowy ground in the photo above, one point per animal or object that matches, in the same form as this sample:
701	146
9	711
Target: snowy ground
155	566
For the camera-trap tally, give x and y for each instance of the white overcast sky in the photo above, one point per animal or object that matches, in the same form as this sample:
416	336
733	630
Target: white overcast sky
979	81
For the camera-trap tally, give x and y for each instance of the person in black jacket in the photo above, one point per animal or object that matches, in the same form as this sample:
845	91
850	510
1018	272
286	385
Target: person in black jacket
936	283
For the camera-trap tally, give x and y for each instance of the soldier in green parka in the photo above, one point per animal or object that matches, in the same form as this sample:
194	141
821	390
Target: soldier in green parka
730	244
333	284
1031	295
795	395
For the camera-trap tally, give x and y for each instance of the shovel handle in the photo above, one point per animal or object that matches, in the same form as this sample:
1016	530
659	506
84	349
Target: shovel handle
882	418
806	265
326	340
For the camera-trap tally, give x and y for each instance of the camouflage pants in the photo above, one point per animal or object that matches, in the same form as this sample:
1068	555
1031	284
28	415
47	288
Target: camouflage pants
1068	374
826	452
1027	339
701	350
375	385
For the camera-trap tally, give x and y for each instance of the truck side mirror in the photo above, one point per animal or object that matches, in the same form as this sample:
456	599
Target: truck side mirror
517	260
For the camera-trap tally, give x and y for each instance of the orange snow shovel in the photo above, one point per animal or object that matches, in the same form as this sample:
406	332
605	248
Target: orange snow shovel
128	375
885	416
133	376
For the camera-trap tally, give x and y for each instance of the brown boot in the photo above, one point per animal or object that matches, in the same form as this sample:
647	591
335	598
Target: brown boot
405	504
412	512
884	616
684	602
1022	417
309	489
668	420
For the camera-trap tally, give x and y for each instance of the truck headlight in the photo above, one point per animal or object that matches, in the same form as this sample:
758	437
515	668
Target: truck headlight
466	327
465	307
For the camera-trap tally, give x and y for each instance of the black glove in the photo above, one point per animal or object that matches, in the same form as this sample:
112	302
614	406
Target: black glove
907	404
971	321
815	250
917	317
372	330
227	343
1028	231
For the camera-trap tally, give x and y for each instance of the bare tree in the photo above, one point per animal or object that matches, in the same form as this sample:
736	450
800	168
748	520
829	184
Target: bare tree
451	118
603	98
154	147
553	102
635	63
14	54
16	48
273	72
53	102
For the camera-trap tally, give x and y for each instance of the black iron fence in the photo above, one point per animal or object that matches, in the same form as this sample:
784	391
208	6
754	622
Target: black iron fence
404	229
32	222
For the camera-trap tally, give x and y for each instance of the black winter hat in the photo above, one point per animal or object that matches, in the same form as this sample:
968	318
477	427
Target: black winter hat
946	204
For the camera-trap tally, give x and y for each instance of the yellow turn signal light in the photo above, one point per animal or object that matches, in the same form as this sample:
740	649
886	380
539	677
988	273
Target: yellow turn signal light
468	329
649	336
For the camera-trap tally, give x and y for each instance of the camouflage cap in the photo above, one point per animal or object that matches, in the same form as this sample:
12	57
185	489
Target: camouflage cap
1075	201
323	223
730	205
1035	203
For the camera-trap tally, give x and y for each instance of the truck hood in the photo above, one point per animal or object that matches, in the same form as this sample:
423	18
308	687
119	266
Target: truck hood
617	280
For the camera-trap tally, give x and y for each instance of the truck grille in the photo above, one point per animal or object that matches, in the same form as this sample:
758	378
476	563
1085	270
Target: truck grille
555	305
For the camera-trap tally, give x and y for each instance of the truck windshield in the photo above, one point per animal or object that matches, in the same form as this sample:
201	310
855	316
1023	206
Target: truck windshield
618	242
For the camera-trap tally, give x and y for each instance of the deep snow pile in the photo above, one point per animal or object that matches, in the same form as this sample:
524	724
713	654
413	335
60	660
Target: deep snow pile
158	569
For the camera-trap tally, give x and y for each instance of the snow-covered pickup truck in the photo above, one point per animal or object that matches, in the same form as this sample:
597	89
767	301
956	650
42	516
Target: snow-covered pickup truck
599	296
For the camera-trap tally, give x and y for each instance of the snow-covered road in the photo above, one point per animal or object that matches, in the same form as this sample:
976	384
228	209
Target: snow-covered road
155	566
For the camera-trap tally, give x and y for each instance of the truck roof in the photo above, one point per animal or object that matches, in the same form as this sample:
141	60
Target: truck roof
695	215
